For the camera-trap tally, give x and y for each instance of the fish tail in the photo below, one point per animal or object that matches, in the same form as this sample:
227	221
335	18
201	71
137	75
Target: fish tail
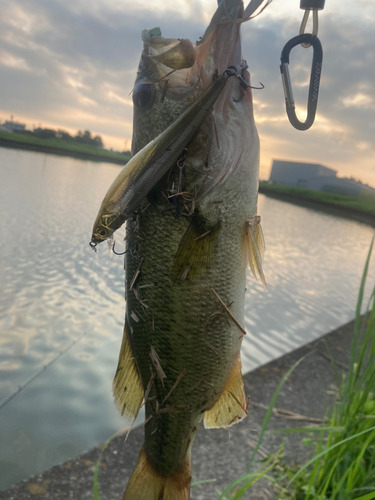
147	484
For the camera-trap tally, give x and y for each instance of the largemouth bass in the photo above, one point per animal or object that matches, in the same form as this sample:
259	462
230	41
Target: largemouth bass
188	245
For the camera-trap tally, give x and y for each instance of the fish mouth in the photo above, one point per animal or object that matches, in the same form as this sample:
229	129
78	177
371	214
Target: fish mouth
192	66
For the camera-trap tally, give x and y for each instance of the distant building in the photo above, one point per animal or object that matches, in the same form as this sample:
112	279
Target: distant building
317	177
10	126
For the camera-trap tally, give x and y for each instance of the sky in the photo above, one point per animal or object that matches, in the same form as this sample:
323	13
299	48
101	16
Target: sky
72	64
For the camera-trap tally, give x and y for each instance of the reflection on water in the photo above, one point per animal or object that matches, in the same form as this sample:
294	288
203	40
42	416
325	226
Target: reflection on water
313	267
54	289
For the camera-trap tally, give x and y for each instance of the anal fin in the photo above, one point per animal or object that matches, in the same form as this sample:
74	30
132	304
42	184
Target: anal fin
127	386
230	408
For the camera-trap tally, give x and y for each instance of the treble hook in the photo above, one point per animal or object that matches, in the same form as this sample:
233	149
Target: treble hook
316	69
232	71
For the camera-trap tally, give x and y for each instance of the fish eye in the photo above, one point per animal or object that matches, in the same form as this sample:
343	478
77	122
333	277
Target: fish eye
144	95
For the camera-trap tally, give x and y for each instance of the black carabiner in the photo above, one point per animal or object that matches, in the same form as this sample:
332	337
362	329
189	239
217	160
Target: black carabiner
316	70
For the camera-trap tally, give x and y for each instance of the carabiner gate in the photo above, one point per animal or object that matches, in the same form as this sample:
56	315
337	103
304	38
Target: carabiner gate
316	70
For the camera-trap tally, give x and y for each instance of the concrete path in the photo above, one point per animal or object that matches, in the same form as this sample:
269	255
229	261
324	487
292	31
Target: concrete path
217	454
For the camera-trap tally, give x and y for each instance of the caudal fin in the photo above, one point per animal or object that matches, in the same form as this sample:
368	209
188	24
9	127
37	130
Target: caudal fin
147	484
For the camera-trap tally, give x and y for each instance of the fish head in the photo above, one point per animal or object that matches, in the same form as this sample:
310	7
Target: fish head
173	73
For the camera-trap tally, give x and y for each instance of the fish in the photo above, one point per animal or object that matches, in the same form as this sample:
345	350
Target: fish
188	245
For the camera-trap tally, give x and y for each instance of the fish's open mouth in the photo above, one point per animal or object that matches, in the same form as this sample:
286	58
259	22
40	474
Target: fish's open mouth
182	62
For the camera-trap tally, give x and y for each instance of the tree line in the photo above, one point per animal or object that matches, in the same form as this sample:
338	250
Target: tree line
82	136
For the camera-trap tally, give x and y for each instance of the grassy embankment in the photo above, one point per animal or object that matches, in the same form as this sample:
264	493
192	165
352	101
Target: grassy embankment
343	463
61	147
362	204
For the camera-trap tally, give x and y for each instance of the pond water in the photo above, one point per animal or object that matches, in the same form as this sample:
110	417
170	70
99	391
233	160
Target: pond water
55	289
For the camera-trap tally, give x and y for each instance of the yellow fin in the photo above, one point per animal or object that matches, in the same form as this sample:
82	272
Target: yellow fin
127	386
195	252
230	408
255	248
146	484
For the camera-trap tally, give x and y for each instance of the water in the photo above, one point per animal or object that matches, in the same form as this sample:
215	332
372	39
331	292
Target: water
54	289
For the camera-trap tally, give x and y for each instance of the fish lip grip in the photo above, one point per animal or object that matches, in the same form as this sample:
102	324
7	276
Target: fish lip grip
316	70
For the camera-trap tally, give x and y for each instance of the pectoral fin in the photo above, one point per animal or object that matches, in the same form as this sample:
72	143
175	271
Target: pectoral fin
255	248
196	251
127	386
230	408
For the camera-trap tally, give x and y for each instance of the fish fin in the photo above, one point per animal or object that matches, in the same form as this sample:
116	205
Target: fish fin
127	386
255	248
196	251
147	484
230	408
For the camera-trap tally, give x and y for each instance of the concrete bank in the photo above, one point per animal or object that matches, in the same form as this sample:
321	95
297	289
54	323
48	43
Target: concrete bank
217	454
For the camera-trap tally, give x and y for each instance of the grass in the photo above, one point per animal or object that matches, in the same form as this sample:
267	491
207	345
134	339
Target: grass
95	484
343	464
65	146
362	204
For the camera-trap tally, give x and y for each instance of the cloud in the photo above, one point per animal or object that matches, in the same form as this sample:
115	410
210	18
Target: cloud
12	61
73	64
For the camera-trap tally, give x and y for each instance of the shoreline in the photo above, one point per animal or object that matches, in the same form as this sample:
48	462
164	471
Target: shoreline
216	454
331	208
80	155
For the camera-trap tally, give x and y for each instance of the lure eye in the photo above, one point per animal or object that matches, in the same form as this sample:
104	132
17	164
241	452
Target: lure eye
144	95
102	232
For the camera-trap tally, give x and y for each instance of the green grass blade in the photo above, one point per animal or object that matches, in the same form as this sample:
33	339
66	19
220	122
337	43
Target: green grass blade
234	483
305	429
355	344
203	482
324	452
95	487
369	496
270	408
357	463
239	494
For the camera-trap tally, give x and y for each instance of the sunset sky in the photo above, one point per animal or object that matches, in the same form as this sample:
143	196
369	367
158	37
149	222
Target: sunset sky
71	65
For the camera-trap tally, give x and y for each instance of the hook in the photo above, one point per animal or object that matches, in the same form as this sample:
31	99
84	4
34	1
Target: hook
232	71
316	69
117	253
